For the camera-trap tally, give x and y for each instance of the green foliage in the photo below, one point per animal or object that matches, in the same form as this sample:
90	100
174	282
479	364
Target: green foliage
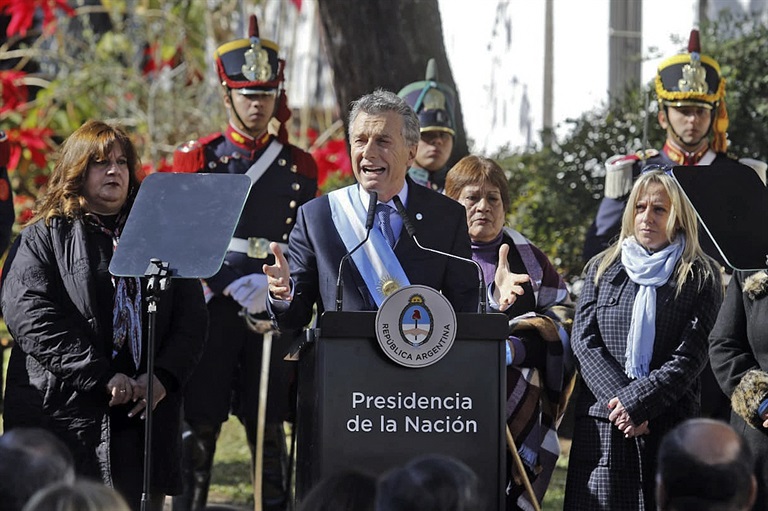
556	191
739	46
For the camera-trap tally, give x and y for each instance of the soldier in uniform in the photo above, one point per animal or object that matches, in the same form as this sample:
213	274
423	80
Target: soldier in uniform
691	96
283	177
434	103
7	217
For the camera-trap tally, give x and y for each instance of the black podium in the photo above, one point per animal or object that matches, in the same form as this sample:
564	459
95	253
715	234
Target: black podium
359	409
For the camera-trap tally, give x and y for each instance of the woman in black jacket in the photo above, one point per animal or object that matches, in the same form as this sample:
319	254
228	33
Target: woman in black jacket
78	364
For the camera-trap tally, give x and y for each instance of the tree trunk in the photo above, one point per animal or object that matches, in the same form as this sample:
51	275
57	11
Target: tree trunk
385	44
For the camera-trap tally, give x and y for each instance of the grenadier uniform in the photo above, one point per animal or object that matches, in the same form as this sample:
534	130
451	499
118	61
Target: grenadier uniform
434	104
687	79
7	215
227	379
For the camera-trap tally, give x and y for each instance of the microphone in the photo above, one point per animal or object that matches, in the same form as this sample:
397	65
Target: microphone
373	199
412	233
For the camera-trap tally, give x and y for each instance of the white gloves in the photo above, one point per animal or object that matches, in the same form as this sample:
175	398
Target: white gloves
250	291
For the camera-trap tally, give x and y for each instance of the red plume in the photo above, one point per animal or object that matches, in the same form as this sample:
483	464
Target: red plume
282	114
253	27
693	42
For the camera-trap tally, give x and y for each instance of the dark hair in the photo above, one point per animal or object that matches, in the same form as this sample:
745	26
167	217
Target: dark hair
92	141
347	490
31	458
429	483
477	170
693	484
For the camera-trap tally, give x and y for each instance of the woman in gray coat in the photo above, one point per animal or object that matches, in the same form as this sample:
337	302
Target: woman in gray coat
640	340
79	366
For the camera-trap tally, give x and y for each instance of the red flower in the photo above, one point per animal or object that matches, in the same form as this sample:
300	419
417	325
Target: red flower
148	168
22	13
35	140
14	90
24	204
332	157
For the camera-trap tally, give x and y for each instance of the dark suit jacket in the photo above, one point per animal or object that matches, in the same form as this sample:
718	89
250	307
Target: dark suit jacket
315	250
738	345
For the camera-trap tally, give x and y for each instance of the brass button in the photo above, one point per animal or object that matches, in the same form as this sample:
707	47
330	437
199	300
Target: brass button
294	168
281	162
292	204
296	186
289	221
285	237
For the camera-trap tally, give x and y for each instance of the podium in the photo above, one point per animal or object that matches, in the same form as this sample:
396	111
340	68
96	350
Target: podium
359	409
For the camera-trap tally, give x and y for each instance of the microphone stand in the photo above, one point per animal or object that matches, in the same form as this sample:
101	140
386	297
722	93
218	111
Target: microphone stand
372	201
412	233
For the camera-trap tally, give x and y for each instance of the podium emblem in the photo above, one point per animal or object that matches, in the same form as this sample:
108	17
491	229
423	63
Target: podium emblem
416	326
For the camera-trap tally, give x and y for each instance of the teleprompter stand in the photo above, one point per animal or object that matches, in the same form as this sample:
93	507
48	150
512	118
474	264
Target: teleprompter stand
731	202
359	409
179	227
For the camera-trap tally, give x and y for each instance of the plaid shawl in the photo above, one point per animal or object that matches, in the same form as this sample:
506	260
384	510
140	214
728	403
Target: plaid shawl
537	396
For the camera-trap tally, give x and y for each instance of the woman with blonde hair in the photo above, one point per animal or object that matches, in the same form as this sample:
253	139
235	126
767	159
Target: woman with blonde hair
640	340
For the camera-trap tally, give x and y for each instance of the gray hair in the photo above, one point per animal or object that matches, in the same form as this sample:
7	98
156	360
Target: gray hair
382	101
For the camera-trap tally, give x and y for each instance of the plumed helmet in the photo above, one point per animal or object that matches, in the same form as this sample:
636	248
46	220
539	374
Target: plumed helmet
251	66
693	79
433	102
250	63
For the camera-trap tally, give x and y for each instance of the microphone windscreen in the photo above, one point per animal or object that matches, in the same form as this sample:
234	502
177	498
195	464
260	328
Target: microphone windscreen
373	200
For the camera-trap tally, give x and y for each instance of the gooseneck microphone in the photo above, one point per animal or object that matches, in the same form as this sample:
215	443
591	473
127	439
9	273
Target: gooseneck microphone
412	233
373	199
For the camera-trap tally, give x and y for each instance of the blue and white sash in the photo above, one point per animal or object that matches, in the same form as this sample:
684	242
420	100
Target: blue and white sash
376	261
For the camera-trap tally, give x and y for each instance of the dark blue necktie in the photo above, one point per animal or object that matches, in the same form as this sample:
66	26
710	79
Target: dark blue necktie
382	213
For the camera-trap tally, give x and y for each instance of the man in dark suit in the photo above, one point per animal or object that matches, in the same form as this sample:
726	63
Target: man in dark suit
383	137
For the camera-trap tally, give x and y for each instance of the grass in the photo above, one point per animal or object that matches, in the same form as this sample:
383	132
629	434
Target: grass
231	480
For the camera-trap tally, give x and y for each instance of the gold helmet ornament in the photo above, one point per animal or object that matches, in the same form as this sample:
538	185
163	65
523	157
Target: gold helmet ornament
693	79
252	66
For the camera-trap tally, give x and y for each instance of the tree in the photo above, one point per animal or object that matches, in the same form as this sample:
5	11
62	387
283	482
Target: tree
385	44
555	192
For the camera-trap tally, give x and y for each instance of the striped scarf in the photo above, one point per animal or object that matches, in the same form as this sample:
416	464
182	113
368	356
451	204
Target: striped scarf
126	310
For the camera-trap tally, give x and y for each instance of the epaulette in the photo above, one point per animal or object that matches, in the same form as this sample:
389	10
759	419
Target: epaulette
760	167
305	164
645	154
5	149
190	156
618	175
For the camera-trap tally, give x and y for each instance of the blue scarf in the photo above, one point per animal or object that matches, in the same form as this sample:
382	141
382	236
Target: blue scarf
648	271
